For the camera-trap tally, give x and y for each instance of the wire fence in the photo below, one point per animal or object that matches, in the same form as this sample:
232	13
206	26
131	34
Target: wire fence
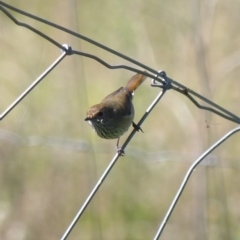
159	80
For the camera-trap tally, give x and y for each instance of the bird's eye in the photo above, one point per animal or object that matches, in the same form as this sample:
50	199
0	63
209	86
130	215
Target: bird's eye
100	114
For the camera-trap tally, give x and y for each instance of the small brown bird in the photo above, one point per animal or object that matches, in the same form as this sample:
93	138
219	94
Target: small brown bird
113	116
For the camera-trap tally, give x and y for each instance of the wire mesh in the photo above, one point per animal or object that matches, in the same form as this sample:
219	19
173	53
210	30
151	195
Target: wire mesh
159	80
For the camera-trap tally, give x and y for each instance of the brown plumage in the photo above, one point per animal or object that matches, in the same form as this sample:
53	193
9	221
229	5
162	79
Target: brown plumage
113	116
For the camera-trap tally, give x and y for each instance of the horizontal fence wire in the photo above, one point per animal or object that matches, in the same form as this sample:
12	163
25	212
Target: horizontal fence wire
160	79
175	85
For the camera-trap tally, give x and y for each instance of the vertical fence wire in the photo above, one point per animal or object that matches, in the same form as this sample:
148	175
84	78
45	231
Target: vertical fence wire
178	87
186	178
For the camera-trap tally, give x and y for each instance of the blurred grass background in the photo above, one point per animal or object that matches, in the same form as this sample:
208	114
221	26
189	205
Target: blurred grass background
50	159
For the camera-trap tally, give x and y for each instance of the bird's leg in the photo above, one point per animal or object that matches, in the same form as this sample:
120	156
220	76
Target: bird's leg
136	127
119	150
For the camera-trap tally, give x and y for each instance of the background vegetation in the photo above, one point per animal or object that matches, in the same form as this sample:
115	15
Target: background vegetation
50	159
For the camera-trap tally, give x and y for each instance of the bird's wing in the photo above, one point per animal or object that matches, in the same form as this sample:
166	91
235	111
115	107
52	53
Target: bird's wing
113	94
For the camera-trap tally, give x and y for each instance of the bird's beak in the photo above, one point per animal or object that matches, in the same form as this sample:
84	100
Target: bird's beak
86	119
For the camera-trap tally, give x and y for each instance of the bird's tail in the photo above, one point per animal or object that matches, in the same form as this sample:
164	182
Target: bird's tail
135	81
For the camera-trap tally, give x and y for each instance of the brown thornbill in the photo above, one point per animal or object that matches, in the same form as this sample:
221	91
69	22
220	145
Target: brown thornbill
113	116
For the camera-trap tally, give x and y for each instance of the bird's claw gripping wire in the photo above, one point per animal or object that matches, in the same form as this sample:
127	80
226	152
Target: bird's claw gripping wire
136	127
165	81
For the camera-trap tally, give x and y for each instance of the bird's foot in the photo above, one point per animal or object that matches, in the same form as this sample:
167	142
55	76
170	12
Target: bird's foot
119	150
136	127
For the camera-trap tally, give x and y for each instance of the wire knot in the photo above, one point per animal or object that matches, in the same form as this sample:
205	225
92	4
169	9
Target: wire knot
66	48
165	81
